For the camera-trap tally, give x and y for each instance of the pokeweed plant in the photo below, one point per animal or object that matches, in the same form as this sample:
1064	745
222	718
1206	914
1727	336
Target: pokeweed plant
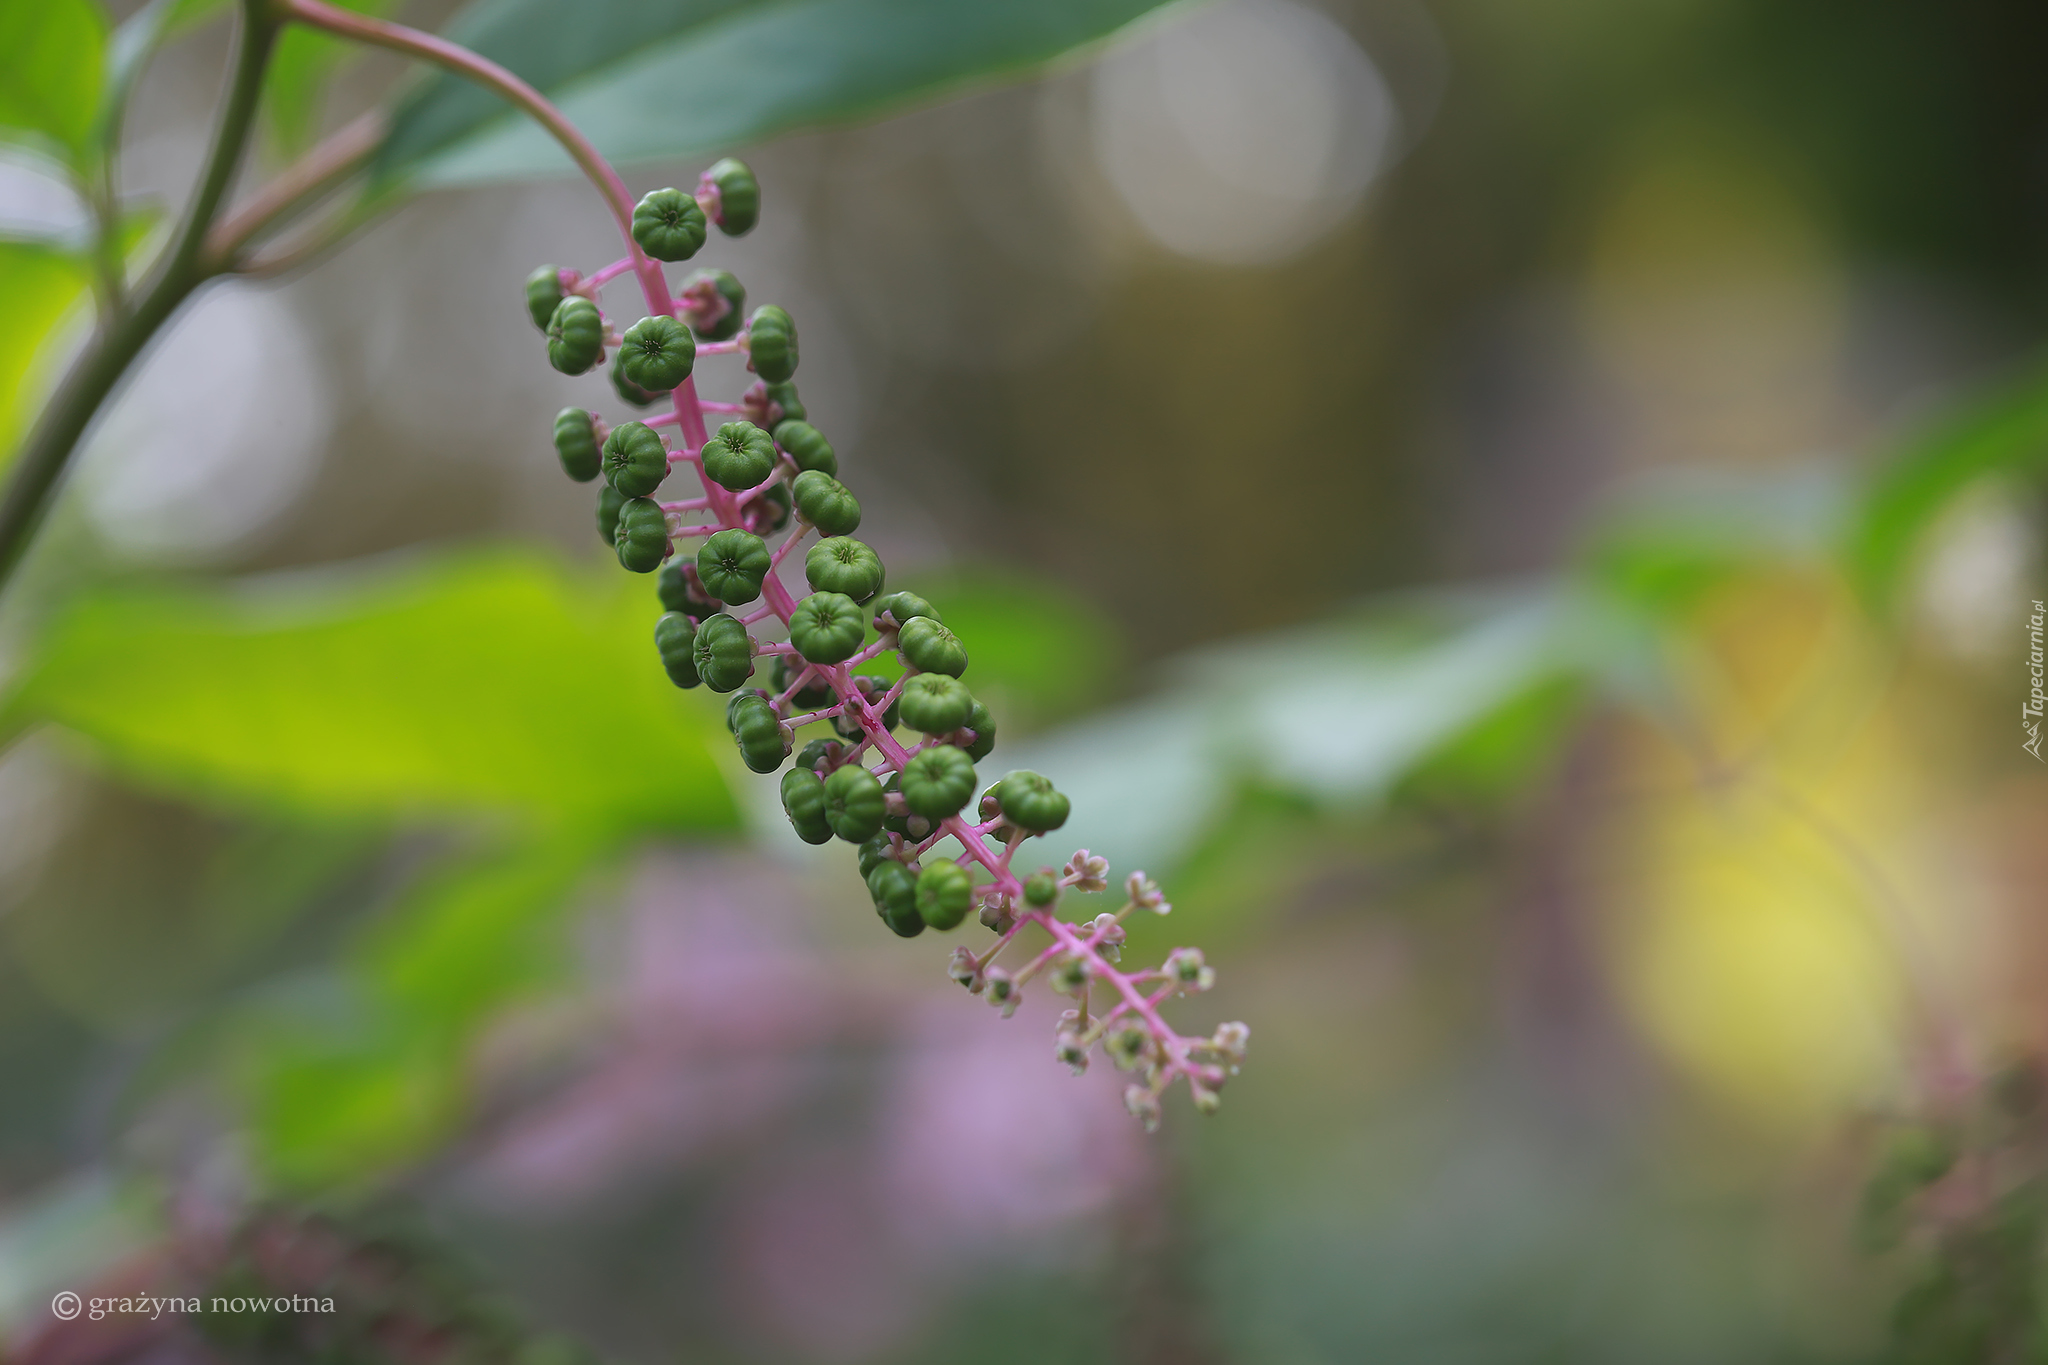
931	850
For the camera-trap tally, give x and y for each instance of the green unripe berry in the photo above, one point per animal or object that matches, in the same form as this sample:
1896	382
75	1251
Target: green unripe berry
944	891
576	444
770	405
739	197
543	295
641	537
900	607
739	456
657	354
626	389
825	503
713	303
937	782
806	445
1041	888
827	628
679	589
930	647
634	459
723	653
575	335
732	564
935	703
771	344
763	739
844	565
819	751
770	511
854	804
811	695
847	723
1029	802
894	888
675	637
609	501
803	801
984	726
669	226
873	854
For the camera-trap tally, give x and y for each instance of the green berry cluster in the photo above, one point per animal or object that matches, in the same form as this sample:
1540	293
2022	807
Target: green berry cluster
889	767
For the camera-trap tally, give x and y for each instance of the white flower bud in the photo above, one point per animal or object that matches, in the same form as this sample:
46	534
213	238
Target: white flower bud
1230	1040
1206	1100
1144	1106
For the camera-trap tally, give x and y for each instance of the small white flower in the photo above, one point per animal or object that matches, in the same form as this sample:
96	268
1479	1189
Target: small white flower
1145	892
1087	872
1070	975
963	969
1144	1106
1067	1048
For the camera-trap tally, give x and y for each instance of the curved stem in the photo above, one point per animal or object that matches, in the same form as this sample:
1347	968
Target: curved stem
487	73
338	156
92	377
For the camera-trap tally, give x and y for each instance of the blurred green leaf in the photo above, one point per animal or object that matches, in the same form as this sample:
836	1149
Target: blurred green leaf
297	80
2005	431
474	682
649	80
353	1081
1675	536
1335	713
50	68
41	283
474	935
143	908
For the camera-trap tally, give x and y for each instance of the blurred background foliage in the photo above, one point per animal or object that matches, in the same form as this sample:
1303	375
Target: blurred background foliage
1524	517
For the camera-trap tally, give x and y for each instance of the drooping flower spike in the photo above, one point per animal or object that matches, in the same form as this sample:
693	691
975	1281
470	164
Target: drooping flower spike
930	850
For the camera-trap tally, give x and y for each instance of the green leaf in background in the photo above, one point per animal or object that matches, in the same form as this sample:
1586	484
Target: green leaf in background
1334	714
1675	535
50	67
2005	433
370	1072
648	80
477	682
300	68
41	283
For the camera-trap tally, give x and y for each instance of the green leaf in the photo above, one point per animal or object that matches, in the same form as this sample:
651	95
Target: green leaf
648	80
297	79
1675	536
364	1072
1336	714
2005	431
50	69
479	682
41	283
